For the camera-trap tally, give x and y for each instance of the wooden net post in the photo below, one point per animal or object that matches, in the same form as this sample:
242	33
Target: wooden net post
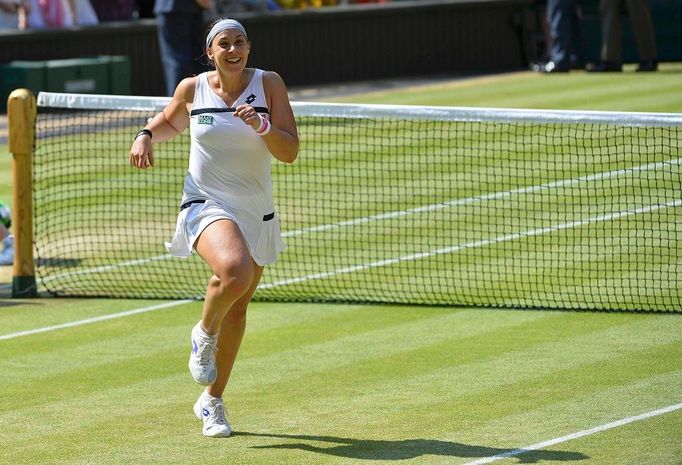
21	113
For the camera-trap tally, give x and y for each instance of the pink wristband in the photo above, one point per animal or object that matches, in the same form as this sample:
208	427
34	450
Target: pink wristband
264	127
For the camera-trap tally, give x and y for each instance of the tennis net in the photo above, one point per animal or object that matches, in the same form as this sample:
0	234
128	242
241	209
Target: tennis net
387	204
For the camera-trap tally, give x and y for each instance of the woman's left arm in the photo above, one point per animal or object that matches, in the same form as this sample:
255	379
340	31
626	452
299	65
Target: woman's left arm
282	140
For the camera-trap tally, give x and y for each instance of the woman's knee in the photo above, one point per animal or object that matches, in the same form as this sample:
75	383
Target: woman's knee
233	276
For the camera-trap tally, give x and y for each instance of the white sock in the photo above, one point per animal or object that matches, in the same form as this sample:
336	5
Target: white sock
204	333
208	397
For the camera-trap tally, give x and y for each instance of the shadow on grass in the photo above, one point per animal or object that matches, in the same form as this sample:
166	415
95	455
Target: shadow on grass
366	449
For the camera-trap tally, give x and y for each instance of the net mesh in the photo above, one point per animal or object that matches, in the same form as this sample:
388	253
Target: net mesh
385	204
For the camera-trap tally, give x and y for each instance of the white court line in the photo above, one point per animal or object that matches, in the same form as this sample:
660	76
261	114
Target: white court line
391	261
103	268
453	249
475	244
396	214
491	196
86	321
579	434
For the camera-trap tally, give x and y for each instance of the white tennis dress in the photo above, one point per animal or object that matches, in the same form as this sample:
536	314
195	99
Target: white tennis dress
229	174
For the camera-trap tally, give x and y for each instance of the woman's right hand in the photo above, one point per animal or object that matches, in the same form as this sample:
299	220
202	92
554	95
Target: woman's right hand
168	123
141	153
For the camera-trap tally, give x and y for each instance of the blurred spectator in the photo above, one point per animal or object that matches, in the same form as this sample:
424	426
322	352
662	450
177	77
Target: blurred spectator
34	18
48	13
612	35
303	4
61	13
114	10
6	238
7	241
565	49
181	31
13	14
229	7
82	13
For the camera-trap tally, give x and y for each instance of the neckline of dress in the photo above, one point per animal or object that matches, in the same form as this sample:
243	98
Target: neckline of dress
248	84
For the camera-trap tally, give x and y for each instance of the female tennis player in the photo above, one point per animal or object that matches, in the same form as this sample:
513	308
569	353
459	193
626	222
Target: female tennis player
238	118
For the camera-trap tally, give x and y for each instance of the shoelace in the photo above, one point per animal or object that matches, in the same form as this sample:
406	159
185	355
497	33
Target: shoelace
218	411
206	350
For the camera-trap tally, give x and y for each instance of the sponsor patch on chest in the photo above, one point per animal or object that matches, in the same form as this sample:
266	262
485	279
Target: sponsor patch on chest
205	119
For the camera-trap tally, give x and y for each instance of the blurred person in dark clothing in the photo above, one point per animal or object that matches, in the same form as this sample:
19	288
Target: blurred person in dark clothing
563	18
612	35
181	30
114	10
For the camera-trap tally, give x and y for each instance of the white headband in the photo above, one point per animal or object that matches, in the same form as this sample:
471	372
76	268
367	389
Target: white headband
223	25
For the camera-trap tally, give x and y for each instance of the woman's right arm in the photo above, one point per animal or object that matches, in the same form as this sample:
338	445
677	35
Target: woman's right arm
173	120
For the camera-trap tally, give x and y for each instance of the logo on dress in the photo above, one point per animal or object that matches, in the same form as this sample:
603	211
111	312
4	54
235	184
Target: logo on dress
250	98
205	119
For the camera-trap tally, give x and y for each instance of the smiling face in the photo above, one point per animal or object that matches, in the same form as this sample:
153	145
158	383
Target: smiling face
229	50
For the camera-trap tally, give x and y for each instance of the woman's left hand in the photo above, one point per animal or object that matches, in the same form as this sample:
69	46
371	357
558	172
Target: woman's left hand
249	115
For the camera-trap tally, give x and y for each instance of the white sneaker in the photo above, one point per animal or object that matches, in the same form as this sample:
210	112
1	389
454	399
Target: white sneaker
202	359
211	411
7	254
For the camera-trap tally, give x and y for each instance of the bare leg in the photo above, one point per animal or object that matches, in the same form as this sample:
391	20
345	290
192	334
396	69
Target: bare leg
230	338
223	247
234	281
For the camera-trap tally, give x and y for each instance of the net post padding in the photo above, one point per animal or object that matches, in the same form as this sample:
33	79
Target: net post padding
21	112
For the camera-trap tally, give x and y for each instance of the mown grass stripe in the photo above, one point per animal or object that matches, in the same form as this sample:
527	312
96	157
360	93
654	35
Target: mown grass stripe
312	359
476	244
601	176
593	346
578	434
484	373
92	352
319	364
97	319
381	263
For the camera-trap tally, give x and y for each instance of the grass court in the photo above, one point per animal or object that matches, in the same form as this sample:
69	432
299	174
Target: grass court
104	381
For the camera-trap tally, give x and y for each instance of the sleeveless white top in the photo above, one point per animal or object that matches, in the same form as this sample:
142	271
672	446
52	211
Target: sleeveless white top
229	174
